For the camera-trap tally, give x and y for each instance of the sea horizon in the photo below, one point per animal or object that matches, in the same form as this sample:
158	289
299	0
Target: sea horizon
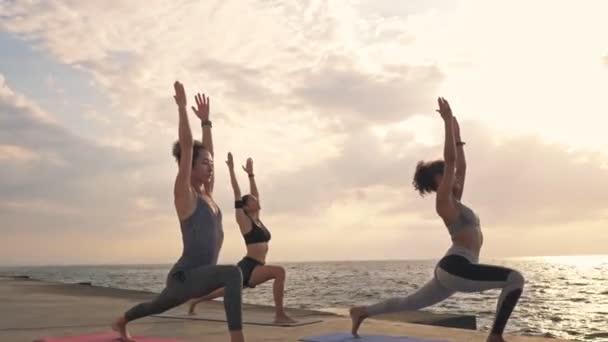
528	257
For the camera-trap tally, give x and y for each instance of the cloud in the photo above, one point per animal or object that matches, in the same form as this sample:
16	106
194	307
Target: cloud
29	129
145	203
9	100
48	172
37	207
17	154
517	181
528	181
317	92
343	89
362	161
51	83
311	56
91	114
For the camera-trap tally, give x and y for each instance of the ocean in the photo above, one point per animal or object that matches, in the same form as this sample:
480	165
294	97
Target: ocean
565	297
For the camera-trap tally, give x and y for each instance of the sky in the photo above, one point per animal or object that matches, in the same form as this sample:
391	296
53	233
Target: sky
334	101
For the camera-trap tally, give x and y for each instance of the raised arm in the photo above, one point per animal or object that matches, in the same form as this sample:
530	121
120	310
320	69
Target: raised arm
202	112
461	162
253	189
446	207
233	181
182	190
241	217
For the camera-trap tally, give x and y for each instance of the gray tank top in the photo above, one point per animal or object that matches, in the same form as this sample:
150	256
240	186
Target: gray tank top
202	237
467	219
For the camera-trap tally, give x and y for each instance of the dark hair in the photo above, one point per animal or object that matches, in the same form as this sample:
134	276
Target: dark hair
245	198
424	177
197	147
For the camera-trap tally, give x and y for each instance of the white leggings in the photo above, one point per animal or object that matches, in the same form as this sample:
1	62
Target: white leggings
458	271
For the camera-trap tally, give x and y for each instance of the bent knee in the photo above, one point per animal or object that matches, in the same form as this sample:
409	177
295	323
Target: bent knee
232	274
516	280
279	273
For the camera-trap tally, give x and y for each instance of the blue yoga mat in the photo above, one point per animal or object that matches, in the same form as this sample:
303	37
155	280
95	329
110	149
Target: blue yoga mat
344	337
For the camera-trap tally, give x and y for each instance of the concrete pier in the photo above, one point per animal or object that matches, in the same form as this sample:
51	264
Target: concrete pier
32	309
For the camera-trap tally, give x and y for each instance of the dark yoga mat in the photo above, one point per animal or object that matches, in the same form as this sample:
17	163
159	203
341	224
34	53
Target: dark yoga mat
347	337
250	319
104	337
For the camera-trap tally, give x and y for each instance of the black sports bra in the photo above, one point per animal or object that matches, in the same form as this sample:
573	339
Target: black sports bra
257	234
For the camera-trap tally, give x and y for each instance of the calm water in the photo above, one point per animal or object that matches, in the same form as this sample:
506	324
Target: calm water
565	297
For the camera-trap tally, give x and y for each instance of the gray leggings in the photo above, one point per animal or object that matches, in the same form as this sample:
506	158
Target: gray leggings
459	271
183	285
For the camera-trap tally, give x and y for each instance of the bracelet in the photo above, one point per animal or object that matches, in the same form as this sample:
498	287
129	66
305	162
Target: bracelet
460	143
251	175
206	124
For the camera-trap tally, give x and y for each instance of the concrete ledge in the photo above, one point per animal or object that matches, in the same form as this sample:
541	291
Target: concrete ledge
21	277
34	309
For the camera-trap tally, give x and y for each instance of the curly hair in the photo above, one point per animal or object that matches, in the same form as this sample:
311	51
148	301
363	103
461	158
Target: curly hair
424	177
197	148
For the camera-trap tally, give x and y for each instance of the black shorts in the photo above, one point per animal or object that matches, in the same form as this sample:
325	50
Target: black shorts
247	265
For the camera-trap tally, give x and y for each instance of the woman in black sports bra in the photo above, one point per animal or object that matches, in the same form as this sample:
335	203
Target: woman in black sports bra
256	235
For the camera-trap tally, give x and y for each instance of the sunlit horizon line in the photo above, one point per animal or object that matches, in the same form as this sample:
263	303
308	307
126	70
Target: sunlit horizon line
558	256
149	264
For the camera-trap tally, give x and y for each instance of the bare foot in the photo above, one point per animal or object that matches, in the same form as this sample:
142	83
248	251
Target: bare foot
357	315
283	319
120	326
495	338
191	311
237	336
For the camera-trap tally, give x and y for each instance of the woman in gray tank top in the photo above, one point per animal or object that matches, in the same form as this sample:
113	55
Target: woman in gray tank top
459	270
196	273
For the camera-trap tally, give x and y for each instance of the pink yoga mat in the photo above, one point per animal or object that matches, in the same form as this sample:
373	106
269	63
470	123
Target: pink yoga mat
105	337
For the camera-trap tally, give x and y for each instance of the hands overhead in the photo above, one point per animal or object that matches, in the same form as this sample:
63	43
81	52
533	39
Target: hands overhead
249	167
202	104
444	109
229	161
180	94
